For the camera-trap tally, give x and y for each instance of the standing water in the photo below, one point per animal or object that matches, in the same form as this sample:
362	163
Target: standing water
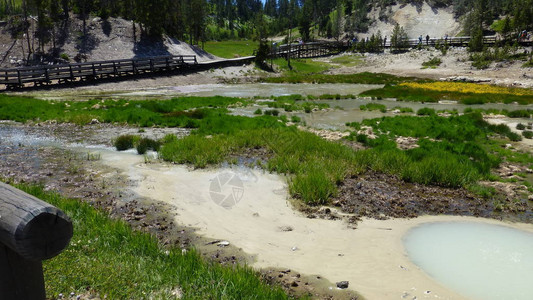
480	261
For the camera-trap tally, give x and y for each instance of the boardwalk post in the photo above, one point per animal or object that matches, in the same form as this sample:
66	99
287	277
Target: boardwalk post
19	79
31	230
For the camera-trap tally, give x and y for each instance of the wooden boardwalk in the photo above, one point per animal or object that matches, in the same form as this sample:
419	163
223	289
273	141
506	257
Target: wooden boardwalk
124	68
309	50
317	49
47	74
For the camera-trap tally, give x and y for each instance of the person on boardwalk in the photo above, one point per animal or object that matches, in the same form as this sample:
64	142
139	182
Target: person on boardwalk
420	40
384	42
427	40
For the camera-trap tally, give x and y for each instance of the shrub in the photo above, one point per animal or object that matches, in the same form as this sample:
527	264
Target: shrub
296	119
147	144
362	138
125	142
426	111
513	136
64	56
520	126
527	134
258	112
434	62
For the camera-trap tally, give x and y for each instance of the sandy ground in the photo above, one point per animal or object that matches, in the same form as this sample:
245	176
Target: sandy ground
454	64
261	221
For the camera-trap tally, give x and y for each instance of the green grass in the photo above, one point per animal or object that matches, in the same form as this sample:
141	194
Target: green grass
363	78
461	154
296	102
374	106
177	112
432	63
518	113
404	93
453	152
231	49
111	260
301	66
348	60
314	165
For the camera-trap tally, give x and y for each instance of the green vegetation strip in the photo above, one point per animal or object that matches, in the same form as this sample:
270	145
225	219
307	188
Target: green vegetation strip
107	258
362	78
452	152
231	49
405	93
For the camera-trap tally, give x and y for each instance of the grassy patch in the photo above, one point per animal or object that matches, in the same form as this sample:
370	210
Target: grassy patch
374	106
177	112
314	165
432	63
111	260
363	78
348	60
291	103
231	49
301	66
466	93
454	151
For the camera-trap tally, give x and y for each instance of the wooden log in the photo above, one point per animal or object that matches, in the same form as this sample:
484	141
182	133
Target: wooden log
31	227
31	230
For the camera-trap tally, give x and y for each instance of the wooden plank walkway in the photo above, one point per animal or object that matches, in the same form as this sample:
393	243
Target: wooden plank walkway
47	74
317	49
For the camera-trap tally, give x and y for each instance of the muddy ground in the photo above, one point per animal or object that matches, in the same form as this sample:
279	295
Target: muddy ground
74	173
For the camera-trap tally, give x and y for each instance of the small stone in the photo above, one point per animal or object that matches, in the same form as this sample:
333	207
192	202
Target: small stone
285	228
294	248
223	244
294	284
342	284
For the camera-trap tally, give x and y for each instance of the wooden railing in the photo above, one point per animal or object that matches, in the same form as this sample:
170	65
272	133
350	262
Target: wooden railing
316	49
308	50
46	74
31	230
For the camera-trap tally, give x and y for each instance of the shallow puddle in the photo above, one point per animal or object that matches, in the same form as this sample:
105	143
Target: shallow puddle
255	89
480	261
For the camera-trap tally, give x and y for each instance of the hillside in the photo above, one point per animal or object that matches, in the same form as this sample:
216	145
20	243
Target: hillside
113	38
416	19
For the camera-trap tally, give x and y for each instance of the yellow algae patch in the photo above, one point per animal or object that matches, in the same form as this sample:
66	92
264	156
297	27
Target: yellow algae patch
463	87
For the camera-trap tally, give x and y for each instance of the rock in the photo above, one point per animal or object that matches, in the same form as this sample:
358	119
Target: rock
294	284
342	284
223	244
94	121
285	228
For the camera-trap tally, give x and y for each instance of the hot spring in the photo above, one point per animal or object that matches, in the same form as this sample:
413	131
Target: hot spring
477	260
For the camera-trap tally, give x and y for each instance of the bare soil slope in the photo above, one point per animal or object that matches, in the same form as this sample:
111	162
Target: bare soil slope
109	39
417	20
